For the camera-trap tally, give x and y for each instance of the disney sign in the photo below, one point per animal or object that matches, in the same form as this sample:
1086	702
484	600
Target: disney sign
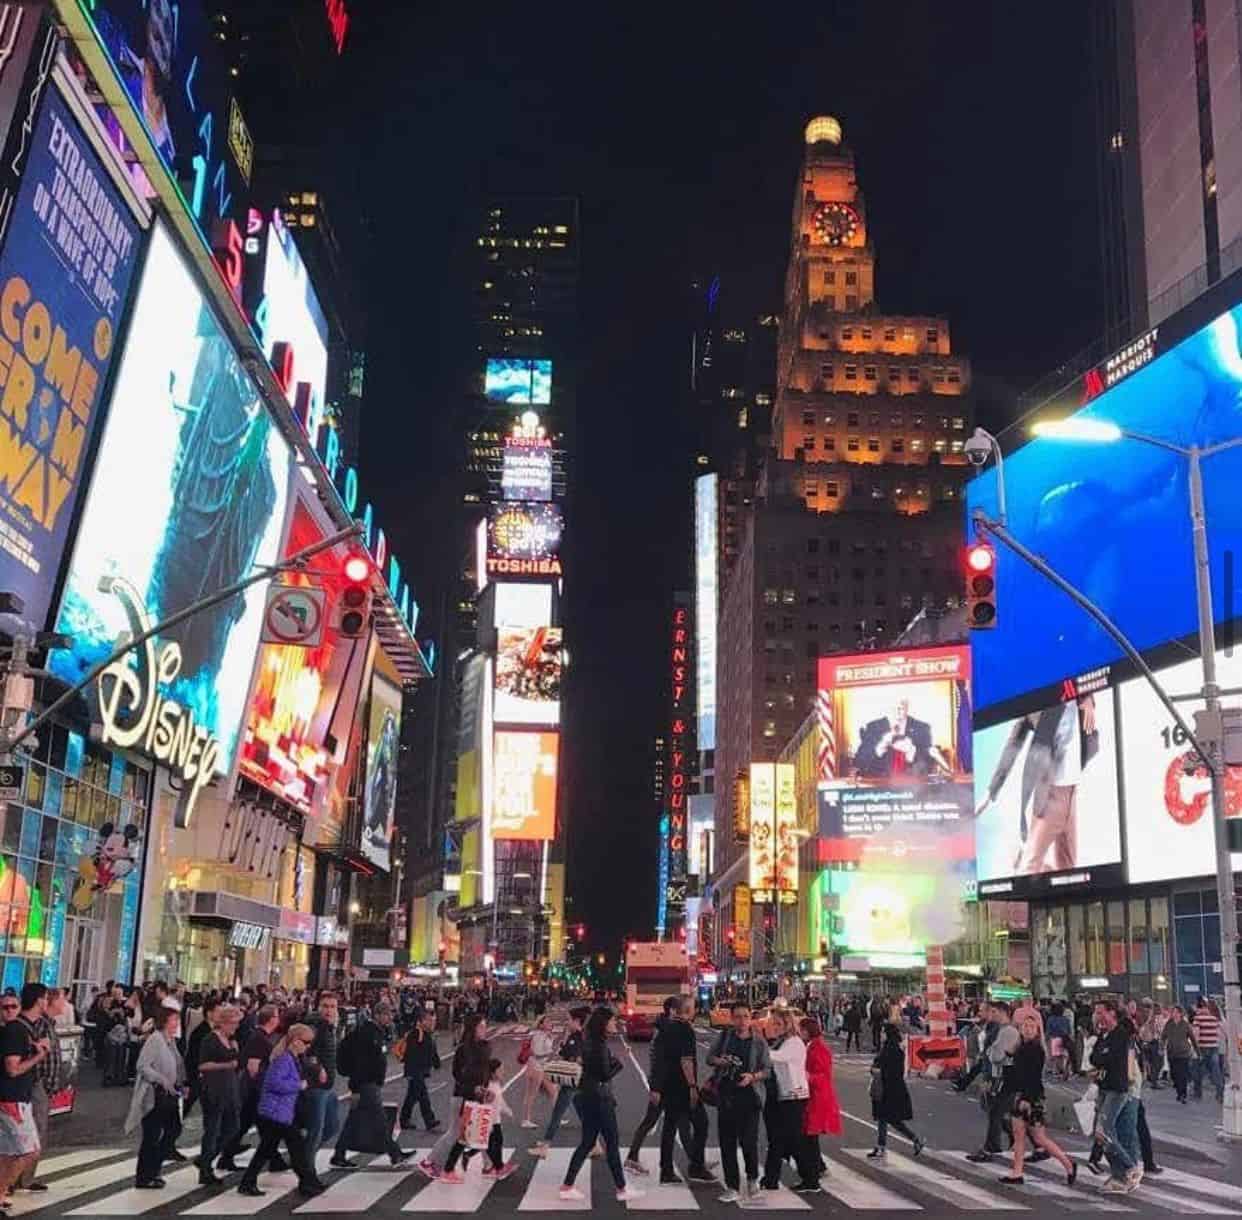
137	717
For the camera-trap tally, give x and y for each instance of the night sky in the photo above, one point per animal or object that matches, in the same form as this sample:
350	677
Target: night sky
680	128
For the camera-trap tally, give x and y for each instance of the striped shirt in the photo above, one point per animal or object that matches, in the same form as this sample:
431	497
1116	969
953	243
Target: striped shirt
1207	1030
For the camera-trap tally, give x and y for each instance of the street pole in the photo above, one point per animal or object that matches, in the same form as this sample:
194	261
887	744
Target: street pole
1231	1111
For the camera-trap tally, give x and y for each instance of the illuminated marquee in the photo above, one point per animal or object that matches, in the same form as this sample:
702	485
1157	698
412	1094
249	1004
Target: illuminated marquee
679	744
524	539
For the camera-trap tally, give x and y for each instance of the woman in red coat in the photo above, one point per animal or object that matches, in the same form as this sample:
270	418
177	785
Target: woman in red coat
823	1111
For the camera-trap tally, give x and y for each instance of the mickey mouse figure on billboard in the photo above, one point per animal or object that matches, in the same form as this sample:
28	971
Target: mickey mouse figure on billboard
112	861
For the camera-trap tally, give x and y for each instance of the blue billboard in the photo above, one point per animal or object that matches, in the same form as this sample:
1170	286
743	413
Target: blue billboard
520	382
65	271
1113	518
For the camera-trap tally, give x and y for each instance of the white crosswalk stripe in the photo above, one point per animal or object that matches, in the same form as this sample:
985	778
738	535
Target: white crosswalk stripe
61	1190
274	1186
942	1185
1077	1198
861	1193
80	1156
463	1197
1179	1201
542	1194
355	1191
134	1202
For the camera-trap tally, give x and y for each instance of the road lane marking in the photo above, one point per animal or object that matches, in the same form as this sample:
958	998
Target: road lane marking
459	1198
543	1192
942	1185
82	1156
181	1181
860	1192
355	1191
1077	1198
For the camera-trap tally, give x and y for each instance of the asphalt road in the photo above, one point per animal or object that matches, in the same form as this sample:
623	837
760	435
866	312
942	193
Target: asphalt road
98	1182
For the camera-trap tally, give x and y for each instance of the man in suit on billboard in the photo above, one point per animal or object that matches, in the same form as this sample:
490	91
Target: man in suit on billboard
895	747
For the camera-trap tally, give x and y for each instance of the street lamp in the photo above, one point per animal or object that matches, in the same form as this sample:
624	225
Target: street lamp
1103	431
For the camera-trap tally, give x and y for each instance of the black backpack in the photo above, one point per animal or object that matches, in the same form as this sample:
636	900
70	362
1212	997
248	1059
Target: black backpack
347	1053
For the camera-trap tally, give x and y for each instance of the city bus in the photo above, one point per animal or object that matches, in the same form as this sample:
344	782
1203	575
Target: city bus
653	972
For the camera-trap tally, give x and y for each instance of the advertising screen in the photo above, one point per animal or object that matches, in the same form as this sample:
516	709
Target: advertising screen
773	845
705	593
299	689
187	497
468	797
520	382
1046	795
528	676
383	755
1168	798
523	605
884	912
524	803
526	469
906	825
1113	518
65	273
524	540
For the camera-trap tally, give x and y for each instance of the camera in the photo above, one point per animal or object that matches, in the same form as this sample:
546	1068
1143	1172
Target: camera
979	448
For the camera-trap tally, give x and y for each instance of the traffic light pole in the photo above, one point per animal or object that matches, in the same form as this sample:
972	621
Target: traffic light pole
10	742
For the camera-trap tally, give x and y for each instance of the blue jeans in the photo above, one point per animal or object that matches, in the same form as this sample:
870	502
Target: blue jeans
323	1117
1211	1066
564	1099
1118	1125
598	1113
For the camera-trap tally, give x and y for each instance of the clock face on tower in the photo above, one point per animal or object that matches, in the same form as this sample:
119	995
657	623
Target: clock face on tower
834	223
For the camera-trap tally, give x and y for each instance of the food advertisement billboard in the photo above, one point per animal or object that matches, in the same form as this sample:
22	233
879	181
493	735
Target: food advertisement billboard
774	839
303	696
526	468
706	591
1046	798
1168	794
187	497
1113	518
524	540
520	382
896	754
70	249
383	755
524	799
528	676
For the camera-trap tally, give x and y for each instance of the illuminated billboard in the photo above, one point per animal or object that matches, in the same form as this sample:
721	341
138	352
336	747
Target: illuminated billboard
524	797
706	589
187	497
526	468
1168	798
299	690
679	745
287	316
383	755
1113	518
468	801
518	382
528	676
774	838
1047	812
524	540
880	913
70	249
523	605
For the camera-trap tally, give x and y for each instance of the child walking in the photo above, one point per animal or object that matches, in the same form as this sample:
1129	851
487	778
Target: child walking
495	1143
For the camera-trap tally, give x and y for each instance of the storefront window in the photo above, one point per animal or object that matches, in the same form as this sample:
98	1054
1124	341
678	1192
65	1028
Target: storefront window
1076	937
1095	939
1158	945
1116	915
1139	960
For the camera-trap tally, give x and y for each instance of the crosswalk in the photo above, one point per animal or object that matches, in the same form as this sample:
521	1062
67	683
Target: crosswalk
99	1183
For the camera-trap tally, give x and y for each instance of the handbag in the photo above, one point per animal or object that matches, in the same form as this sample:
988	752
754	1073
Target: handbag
563	1072
877	1087
523	1055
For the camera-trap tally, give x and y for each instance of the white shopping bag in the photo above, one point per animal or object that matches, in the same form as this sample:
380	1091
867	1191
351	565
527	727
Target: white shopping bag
1084	1109
477	1121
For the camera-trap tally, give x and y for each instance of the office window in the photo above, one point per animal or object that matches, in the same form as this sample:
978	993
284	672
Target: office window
958	446
812	650
875	419
959	423
869	372
811	487
851	278
851	444
916	422
847	333
873	444
944	422
769	597
858	574
933	335
955	374
851	372
834	546
812	546
899	444
787	624
851	302
825	371
830	277
940	445
832	490
808	419
789	596
938	375
866	332
896	419
830	444
808	443
890	334
894	375
829	420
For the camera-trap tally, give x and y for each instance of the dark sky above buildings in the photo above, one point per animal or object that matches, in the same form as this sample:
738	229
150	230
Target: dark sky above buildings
680	127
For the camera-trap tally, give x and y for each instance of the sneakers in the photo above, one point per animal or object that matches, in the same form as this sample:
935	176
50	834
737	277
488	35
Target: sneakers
528	1125
342	1162
453	1177
702	1174
503	1172
979	1158
1154	1170
1115	1186
1134	1177
729	1196
1013	1179
571	1194
919	1145
629	1194
634	1165
540	1148
429	1169
807	1188
250	1191
878	1154
670	1179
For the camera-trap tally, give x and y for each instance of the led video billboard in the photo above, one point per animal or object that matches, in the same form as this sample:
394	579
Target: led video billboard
468	799
188	495
528	676
523	605
383	755
524	796
1113	518
896	754
519	382
884	912
1168	795
65	272
524	540
1046	797
706	591
773	844
526	468
302	695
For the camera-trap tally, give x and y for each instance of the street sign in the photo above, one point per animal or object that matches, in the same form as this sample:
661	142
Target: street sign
12	776
294	614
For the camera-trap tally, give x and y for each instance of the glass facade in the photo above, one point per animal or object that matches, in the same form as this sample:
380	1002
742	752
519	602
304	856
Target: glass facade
1196	919
1121	946
56	926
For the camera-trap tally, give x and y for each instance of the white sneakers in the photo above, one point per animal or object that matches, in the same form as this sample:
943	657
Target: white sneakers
527	1125
571	1194
628	1194
729	1196
539	1149
634	1165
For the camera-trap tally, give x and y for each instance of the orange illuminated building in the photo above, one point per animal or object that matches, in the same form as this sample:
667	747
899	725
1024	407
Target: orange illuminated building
870	409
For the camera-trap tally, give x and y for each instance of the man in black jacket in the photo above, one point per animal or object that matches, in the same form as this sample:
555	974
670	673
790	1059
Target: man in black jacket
363	1056
570	1049
1118	1112
421	1059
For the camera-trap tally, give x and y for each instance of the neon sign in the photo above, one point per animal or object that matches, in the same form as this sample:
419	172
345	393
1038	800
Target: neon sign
679	741
338	22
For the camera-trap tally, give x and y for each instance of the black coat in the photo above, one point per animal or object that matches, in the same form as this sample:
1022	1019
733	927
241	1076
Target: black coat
894	1105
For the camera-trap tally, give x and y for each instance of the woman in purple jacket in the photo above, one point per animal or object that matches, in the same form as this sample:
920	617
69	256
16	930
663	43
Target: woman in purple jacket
278	1098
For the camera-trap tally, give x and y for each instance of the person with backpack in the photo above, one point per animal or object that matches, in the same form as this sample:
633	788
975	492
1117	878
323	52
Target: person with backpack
363	1057
742	1064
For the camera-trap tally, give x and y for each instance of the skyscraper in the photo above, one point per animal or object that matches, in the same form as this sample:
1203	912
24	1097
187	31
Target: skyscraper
856	521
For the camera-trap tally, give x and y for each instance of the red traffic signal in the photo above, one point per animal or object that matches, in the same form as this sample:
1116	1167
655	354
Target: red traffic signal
981	585
354	611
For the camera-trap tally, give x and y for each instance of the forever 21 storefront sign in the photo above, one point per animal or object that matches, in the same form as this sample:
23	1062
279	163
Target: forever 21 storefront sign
137	717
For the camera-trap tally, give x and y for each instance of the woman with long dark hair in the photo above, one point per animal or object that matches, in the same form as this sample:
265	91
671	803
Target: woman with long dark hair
471	1072
597	1107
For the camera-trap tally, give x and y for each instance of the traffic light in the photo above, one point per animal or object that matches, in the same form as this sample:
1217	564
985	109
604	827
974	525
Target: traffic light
354	610
981	585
